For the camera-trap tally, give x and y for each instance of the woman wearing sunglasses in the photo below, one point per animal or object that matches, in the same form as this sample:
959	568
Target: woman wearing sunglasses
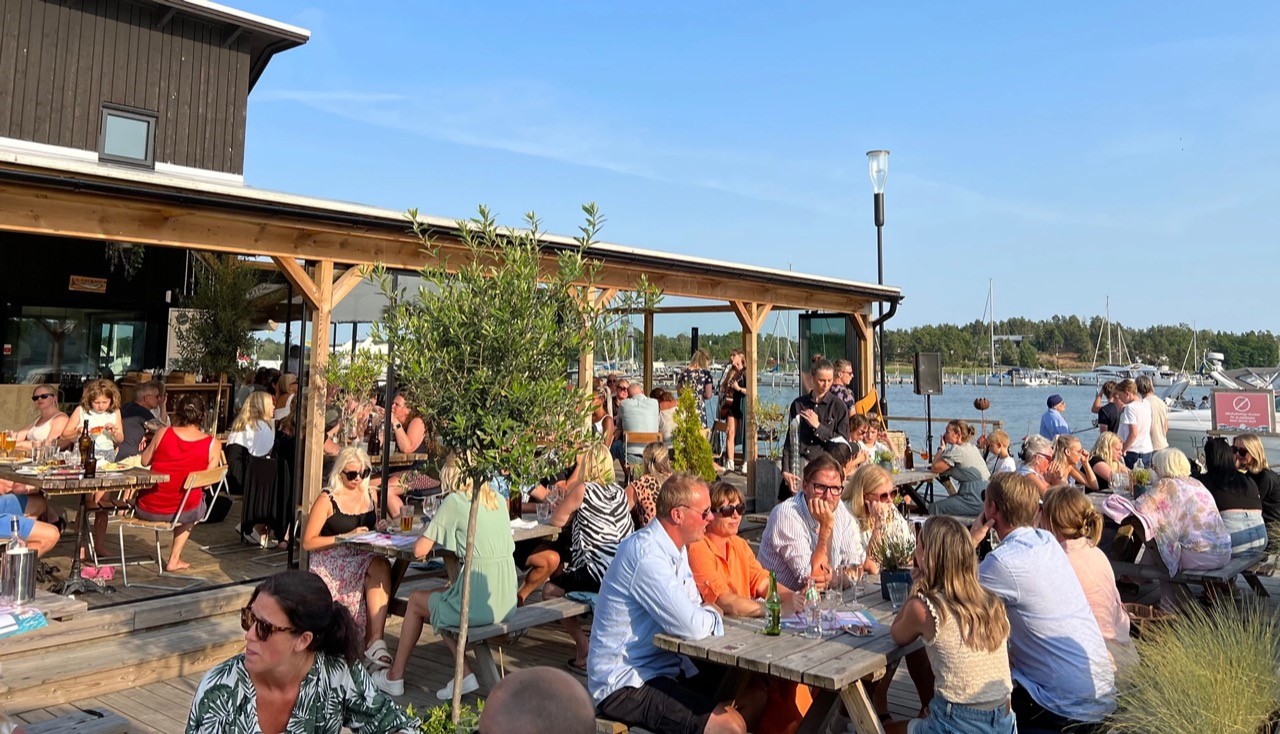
729	576
1236	495
50	420
1251	458
299	670
358	580
869	492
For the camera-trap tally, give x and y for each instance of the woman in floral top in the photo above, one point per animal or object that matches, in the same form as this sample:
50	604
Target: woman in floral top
643	491
698	379
1182	522
298	673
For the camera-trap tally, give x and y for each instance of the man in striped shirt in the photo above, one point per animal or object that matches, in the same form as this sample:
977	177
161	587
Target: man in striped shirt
813	532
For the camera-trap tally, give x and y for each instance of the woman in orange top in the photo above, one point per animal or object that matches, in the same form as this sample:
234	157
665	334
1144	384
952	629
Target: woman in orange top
729	576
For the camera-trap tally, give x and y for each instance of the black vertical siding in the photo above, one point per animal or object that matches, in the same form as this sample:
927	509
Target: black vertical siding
60	60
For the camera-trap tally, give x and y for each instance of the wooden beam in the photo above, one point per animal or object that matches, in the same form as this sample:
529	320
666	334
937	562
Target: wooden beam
648	352
866	354
313	468
751	316
164	19
346	283
87	215
300	280
232	36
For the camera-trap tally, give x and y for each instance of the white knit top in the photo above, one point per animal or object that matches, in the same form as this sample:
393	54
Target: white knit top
964	675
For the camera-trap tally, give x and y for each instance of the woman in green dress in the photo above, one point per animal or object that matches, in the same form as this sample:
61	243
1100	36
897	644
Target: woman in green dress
493	575
298	673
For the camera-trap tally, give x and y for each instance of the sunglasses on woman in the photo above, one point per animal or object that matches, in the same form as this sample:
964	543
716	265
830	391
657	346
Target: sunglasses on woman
351	476
731	510
41	396
262	629
1240	451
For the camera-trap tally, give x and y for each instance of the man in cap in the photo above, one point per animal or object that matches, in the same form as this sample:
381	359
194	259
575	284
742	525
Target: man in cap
1052	423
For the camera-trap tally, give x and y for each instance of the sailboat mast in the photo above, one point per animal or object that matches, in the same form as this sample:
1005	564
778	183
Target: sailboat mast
1109	360
991	310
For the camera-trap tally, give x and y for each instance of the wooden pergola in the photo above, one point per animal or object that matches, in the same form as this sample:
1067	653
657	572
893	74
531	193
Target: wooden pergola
319	245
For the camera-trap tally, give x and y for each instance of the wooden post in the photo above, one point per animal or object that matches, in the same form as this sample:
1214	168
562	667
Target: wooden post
313	471
648	352
866	355
751	316
587	357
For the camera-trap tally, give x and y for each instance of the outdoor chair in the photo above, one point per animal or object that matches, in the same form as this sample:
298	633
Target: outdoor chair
634	439
196	481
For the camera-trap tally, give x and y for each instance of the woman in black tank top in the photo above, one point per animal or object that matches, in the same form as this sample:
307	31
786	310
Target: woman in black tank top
359	580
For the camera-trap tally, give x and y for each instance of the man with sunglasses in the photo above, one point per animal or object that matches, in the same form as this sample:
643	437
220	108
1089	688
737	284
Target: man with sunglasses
813	532
649	590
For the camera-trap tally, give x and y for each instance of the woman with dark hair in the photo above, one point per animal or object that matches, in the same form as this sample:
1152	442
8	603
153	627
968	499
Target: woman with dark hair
177	450
733	396
298	672
1236	495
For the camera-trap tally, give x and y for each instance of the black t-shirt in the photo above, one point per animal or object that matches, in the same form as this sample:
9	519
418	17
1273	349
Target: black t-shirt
1109	417
134	417
1093	464
1232	490
1269	492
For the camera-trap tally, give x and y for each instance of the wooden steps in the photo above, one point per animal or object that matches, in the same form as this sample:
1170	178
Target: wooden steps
117	648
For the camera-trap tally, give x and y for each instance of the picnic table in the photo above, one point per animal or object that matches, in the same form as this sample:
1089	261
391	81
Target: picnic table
398	546
59	484
833	665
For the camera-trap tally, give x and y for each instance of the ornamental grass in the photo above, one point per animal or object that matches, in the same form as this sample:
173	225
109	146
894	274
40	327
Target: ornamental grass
1204	671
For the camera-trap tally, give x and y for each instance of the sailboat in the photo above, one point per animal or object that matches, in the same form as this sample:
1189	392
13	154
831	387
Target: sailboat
1127	369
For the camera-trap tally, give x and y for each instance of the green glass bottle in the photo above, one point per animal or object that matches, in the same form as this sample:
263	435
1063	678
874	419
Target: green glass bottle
773	608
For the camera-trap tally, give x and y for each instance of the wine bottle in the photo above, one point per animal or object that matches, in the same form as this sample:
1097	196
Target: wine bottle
773	608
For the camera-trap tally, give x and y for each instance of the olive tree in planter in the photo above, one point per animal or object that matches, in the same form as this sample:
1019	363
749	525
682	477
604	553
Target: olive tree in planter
482	350
771	420
220	326
351	380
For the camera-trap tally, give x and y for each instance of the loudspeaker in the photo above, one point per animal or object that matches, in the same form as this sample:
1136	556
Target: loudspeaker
928	373
693	341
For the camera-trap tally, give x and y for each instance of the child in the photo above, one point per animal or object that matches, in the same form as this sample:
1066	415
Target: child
965	631
1077	526
100	408
998	458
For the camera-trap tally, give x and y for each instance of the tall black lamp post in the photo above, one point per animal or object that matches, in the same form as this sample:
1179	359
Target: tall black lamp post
878	167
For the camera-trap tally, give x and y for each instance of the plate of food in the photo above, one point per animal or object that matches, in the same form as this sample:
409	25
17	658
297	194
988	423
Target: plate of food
15	461
32	471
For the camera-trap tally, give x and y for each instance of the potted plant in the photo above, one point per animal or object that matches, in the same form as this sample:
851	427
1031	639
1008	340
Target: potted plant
1203	670
438	719
1141	481
893	549
690	449
771	420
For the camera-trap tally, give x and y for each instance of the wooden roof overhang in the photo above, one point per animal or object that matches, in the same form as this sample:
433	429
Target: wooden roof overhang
127	207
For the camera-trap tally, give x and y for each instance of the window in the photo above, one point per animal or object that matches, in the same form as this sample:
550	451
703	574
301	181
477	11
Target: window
128	136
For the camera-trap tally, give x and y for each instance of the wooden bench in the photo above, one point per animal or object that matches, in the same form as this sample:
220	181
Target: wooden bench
522	619
604	726
1248	565
89	721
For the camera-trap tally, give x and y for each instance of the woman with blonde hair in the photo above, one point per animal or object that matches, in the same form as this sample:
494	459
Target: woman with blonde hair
1068	465
254	427
1107	461
959	460
50	420
493	574
998	458
965	631
286	390
1251	458
642	493
869	492
1077	526
359	580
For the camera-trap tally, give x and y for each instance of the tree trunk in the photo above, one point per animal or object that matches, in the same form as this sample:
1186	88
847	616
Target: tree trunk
460	657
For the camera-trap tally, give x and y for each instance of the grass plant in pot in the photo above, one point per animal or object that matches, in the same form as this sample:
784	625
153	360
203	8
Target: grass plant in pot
893	550
771	420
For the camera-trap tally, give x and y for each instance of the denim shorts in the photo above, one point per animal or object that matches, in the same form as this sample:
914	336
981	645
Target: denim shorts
954	718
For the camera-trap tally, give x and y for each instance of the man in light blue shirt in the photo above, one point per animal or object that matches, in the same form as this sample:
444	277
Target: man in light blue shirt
649	590
1059	660
1052	423
638	413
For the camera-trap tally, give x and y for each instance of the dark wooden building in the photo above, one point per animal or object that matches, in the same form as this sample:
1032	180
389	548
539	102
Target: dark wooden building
155	83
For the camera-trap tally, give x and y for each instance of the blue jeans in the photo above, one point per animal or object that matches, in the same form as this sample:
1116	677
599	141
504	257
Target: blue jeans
954	718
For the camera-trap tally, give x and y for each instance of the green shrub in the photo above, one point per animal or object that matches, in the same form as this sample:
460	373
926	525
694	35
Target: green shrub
691	451
1203	671
439	719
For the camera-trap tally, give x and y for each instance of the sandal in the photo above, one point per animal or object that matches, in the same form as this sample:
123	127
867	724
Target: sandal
573	668
377	656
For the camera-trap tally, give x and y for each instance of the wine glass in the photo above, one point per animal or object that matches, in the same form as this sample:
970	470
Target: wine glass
856	572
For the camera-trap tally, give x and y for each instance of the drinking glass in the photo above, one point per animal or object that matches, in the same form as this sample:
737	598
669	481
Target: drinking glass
856	572
544	512
831	600
430	506
406	518
6	443
813	619
898	593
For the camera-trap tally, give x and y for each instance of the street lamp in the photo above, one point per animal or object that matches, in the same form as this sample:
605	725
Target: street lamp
878	167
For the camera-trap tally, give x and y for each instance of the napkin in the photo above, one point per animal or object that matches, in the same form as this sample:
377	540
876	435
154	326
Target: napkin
519	524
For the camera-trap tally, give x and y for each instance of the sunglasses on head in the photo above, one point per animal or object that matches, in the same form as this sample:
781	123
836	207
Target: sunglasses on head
261	628
351	476
41	396
731	510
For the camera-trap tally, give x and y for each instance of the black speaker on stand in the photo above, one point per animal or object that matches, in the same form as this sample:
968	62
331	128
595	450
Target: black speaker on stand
927	381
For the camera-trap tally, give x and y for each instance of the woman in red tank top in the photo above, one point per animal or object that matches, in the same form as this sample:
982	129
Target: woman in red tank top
177	451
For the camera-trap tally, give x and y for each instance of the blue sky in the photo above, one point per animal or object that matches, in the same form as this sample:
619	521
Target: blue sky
1069	152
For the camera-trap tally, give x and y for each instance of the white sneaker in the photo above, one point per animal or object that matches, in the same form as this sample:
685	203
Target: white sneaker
469	685
388	686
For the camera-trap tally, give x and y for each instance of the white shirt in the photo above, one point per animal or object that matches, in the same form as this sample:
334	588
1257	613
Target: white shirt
1159	422
996	464
1136	418
259	439
791	533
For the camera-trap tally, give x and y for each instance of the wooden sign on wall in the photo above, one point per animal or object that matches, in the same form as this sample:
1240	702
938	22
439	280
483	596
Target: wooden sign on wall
87	285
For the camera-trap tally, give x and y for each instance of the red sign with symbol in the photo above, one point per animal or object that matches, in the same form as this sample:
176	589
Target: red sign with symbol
1244	410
